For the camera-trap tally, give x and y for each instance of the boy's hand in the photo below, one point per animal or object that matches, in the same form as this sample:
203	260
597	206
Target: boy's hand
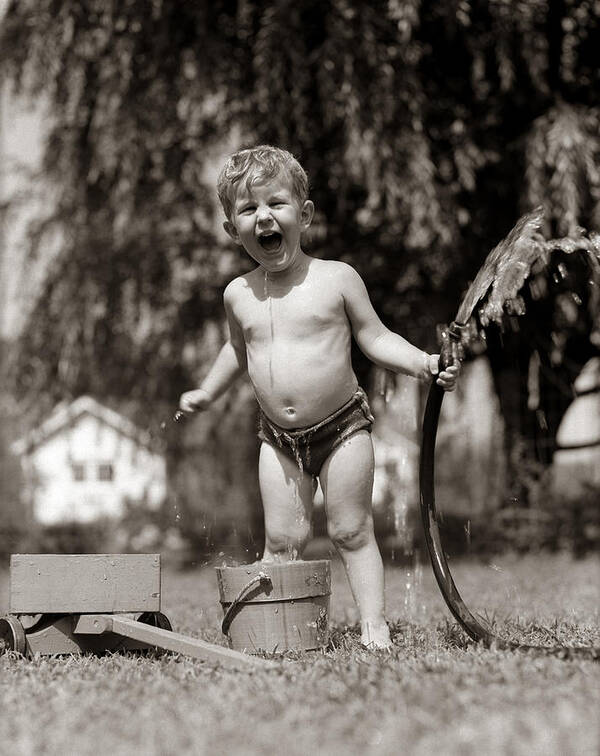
195	401
446	378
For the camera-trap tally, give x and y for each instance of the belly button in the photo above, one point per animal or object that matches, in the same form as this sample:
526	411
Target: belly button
290	411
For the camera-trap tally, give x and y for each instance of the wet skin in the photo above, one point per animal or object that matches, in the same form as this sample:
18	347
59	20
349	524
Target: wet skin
292	318
287	317
291	321
296	336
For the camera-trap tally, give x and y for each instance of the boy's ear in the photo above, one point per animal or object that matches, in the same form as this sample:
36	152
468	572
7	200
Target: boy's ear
307	213
232	231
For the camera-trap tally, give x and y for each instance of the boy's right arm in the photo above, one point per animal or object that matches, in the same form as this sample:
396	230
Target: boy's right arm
229	365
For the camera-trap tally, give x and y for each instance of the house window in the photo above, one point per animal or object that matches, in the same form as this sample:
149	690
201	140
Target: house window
78	471
105	472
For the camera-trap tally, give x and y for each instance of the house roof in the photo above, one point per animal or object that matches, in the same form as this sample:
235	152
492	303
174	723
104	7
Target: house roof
65	415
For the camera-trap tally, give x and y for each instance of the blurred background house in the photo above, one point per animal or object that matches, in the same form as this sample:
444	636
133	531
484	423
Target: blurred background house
87	462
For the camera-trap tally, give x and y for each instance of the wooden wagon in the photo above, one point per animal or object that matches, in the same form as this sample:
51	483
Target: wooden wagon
79	603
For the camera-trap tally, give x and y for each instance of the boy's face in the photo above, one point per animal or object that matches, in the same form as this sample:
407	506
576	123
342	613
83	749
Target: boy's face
268	220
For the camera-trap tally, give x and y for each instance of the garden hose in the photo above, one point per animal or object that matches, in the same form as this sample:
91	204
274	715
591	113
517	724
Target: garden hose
471	625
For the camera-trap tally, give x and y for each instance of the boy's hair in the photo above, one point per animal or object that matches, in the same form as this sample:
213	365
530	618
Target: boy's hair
258	164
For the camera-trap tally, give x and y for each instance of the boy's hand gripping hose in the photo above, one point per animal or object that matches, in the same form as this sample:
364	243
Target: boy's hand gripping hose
450	352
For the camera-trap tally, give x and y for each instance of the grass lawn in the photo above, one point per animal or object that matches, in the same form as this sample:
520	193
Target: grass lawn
435	693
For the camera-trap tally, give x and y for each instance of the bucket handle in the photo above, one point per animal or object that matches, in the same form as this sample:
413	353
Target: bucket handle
261	577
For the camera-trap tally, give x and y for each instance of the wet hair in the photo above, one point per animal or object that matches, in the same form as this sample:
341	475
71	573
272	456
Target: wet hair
259	164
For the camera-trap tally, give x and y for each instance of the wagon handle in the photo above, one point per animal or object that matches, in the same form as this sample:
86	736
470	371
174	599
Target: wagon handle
261	577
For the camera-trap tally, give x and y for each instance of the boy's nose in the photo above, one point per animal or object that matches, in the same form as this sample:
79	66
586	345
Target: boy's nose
263	213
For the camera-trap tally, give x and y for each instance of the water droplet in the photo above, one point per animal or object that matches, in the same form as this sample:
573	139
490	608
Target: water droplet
401	504
271	323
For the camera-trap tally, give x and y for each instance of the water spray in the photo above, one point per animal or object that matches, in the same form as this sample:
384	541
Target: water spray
496	290
177	417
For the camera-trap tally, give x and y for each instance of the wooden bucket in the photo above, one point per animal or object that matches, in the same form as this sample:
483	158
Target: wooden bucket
275	607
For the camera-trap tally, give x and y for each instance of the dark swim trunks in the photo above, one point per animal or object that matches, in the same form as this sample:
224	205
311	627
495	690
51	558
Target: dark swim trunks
309	447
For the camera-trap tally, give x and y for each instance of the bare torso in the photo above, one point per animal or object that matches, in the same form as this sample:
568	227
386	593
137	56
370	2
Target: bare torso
297	338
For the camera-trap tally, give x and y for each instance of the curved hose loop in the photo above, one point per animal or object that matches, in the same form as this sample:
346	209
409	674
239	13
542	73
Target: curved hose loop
439	563
470	624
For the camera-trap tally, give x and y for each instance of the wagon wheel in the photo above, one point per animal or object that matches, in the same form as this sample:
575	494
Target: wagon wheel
155	619
12	636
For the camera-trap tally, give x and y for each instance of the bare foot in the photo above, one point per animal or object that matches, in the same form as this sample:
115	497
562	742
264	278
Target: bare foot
375	635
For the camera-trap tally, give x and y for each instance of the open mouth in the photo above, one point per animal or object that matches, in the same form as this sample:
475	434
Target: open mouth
270	241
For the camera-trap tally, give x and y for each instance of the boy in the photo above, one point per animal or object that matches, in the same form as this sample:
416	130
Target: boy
291	321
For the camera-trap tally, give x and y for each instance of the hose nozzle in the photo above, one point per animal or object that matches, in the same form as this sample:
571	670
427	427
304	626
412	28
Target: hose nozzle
449	338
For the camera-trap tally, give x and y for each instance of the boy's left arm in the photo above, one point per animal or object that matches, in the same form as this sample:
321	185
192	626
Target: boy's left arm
384	347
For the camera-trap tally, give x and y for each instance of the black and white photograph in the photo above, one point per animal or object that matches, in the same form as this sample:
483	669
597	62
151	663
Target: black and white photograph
300	377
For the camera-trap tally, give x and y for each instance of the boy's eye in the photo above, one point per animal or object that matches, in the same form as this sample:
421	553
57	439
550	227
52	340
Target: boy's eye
247	209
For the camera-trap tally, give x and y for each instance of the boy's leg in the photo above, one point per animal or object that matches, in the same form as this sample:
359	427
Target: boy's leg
347	482
287	495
